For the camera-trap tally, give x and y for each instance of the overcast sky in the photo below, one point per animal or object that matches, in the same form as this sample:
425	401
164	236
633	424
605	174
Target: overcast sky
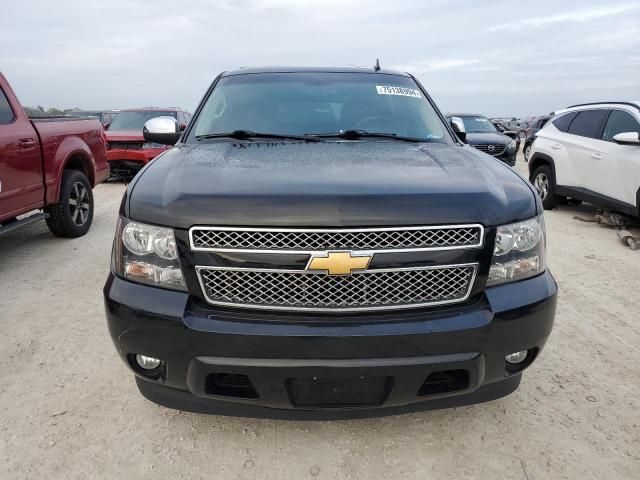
498	58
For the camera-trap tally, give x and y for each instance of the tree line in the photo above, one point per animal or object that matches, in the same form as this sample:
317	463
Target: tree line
40	111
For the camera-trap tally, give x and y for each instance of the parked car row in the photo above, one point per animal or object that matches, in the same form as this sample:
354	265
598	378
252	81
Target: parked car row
530	132
127	150
321	206
48	165
508	132
483	135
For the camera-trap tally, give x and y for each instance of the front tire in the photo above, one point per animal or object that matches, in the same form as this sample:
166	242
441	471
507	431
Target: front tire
522	134
71	217
544	182
527	152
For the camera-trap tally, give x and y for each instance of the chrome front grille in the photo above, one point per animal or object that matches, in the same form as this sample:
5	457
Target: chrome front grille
315	240
366	290
490	148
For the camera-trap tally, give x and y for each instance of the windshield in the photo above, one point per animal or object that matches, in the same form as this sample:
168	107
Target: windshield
478	125
136	120
319	103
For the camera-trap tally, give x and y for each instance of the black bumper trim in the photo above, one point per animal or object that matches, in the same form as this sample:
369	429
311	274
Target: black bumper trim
269	376
182	400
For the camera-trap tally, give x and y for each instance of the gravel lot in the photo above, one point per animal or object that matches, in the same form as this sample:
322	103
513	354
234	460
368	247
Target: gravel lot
70	409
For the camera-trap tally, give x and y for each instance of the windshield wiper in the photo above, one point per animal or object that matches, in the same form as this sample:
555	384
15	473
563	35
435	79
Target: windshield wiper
355	134
248	134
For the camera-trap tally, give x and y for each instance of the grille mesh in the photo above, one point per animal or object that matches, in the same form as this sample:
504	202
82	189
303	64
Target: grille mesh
370	289
305	240
124	145
498	149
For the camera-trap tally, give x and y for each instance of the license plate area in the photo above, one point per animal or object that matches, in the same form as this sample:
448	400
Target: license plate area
342	392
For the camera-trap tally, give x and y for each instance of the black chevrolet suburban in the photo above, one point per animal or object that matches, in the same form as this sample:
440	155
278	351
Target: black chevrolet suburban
320	244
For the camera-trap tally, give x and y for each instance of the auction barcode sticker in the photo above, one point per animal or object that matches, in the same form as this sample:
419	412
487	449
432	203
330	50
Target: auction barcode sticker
405	92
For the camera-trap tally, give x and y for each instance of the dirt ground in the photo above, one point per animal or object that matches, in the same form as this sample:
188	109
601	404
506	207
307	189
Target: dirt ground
70	409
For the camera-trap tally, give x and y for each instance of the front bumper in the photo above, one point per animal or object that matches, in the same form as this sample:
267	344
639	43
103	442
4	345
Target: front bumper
282	367
126	162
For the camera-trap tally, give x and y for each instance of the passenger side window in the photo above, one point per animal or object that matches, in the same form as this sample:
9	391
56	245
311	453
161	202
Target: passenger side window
6	114
588	123
563	121
619	122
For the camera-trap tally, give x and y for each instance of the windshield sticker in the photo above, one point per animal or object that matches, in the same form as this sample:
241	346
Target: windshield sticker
402	91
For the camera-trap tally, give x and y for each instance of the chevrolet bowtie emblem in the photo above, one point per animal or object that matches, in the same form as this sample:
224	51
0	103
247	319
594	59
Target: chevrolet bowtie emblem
339	263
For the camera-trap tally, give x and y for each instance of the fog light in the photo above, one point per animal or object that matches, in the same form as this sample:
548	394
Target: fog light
517	357
148	363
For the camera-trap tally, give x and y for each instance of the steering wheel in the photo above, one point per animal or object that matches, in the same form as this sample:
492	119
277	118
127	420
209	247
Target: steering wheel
379	119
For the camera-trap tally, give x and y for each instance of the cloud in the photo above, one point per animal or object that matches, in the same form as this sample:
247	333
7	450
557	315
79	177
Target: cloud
439	65
576	16
124	53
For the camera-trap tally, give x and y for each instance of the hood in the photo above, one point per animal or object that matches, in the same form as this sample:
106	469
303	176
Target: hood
326	184
124	135
495	138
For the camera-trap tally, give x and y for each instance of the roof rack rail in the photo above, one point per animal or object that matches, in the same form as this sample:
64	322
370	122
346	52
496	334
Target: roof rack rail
631	104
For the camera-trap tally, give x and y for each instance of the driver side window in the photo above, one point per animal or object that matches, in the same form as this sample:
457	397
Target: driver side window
6	113
619	122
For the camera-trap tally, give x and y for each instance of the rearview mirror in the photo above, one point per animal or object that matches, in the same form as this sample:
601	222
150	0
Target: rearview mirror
162	130
458	126
627	138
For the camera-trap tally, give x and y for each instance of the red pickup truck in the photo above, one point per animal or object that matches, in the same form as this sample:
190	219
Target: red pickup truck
127	150
49	164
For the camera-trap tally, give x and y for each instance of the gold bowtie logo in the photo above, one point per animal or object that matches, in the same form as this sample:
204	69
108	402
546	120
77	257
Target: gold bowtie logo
339	263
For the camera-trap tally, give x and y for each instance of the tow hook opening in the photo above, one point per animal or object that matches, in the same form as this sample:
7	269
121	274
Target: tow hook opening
230	385
444	381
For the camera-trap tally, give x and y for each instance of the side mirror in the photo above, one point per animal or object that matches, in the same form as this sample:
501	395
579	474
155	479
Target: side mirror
162	130
105	125
627	138
458	126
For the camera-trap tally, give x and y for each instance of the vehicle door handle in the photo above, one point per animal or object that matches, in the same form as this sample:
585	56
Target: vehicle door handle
597	156
555	146
26	143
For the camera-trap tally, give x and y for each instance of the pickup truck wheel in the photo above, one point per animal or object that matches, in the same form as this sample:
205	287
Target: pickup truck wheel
544	183
73	214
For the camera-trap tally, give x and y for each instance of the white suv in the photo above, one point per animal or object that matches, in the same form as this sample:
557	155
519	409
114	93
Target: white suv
590	152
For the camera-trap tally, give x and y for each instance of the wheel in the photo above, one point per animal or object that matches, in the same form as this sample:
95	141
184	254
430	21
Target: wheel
527	152
522	134
544	183
72	215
